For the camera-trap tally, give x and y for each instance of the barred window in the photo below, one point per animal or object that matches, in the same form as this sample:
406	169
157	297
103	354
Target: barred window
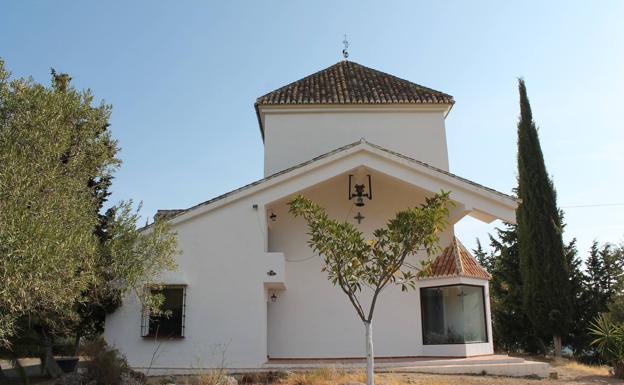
170	323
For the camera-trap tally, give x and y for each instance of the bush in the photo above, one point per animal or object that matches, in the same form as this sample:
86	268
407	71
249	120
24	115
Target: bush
609	341
263	377
105	364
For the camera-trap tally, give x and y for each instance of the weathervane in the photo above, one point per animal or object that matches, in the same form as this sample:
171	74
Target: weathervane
345	53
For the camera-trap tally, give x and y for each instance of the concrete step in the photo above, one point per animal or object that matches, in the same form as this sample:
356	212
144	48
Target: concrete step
499	365
516	369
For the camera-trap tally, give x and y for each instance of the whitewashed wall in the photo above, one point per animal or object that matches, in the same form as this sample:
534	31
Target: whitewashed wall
224	265
228	250
295	136
314	319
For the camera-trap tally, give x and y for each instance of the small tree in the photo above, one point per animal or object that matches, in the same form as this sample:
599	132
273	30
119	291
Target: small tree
353	264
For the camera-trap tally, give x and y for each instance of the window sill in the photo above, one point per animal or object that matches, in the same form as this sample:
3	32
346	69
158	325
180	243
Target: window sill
454	343
150	336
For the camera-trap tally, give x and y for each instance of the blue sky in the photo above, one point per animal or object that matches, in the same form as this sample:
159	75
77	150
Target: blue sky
182	78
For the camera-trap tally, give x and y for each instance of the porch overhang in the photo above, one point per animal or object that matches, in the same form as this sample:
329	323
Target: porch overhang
470	198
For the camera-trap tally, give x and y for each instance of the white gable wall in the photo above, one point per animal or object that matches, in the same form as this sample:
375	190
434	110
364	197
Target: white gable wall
313	318
295	135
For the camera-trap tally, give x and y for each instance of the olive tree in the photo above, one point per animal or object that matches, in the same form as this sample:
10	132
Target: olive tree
363	268
57	158
50	146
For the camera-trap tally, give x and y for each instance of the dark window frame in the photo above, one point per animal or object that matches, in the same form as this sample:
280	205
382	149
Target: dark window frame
422	323
146	319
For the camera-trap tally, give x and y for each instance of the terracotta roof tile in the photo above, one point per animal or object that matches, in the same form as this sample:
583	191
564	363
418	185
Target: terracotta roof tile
456	261
347	82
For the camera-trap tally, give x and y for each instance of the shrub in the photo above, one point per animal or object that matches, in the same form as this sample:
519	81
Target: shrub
263	377
105	364
609	341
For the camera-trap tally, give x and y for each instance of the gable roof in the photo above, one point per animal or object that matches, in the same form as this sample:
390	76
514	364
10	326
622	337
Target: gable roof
456	261
348	82
362	143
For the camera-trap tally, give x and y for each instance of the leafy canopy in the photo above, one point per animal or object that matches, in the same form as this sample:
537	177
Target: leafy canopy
353	263
57	158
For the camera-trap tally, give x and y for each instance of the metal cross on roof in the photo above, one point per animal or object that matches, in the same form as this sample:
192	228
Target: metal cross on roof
345	53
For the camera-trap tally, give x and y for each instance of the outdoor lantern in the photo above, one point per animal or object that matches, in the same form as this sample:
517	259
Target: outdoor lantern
273	298
273	216
358	193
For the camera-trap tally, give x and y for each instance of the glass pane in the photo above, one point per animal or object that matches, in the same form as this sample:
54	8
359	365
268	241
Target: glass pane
474	314
170	323
453	314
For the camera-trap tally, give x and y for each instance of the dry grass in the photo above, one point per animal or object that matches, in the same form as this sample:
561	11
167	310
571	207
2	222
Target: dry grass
322	376
596	370
333	376
208	377
579	368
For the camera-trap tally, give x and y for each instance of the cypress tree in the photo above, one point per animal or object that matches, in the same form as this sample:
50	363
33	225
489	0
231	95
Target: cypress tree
543	264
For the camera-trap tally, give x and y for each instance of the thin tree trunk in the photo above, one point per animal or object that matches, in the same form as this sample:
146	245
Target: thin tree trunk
557	345
370	360
542	346
48	363
76	343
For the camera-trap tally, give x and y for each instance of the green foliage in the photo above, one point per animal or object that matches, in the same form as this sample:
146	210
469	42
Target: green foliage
609	341
138	257
616	308
52	141
605	270
128	260
545	275
511	327
104	364
352	263
484	258
63	264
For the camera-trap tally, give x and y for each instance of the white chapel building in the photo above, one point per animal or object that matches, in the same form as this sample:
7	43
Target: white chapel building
250	290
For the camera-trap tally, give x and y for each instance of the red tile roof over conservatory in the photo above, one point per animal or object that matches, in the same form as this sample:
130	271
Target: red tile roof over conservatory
456	261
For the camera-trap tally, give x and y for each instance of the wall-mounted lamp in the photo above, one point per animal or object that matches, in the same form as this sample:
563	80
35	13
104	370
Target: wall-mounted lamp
273	216
271	273
358	191
273	298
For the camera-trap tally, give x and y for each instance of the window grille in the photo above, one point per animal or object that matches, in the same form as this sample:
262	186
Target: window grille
171	323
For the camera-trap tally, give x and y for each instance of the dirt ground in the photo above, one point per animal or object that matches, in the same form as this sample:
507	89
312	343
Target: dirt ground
569	373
